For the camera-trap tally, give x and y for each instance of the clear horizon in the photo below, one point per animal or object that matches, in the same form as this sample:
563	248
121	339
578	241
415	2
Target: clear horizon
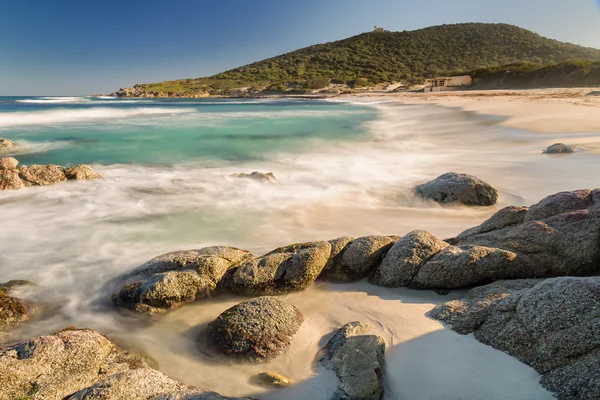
73	48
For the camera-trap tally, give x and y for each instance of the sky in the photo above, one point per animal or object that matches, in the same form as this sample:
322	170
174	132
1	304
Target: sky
82	47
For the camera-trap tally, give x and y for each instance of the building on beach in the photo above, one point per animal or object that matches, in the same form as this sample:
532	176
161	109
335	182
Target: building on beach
448	83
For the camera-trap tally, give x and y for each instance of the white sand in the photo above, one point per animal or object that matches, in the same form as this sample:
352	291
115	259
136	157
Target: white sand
424	360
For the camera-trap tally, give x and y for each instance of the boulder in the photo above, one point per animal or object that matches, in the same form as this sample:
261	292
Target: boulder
405	258
552	325
42	175
283	270
82	172
270	379
257	176
358	360
459	188
135	384
256	330
357	258
10	179
13	311
9	163
559	148
55	366
7	146
171	280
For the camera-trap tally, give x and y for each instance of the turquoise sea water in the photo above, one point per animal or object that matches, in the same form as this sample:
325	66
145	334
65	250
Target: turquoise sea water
106	131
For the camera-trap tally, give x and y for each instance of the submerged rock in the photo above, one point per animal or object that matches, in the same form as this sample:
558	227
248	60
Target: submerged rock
197	394
9	163
257	330
357	258
552	325
459	188
257	176
42	175
559	148
358	360
286	269
82	172
13	311
270	379
171	280
7	146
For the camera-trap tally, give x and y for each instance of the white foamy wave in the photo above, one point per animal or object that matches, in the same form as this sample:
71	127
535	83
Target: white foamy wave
62	116
49	100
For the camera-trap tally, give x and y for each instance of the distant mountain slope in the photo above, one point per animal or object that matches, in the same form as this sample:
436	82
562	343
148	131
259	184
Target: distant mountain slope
378	57
393	56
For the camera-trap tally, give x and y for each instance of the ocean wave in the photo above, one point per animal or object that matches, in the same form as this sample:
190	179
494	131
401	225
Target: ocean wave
51	100
20	118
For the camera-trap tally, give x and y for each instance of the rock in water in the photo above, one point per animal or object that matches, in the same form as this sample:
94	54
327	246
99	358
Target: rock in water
406	257
42	175
559	148
82	172
459	188
10	179
357	258
7	146
270	379
552	325
257	176
173	279
8	163
283	270
197	394
255	330
13	311
358	360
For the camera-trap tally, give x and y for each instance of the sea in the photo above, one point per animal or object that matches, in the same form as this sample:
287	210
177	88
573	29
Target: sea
344	167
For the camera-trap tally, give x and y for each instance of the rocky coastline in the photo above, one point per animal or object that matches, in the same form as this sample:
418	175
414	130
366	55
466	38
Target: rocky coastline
533	274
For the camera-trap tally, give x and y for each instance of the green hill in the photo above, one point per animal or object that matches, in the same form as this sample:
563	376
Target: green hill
377	57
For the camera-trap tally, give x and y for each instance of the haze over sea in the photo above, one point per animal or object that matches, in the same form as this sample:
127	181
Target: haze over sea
344	168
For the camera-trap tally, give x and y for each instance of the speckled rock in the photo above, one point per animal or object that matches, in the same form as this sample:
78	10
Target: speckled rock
10	179
42	175
136	384
358	360
7	146
257	176
358	258
270	379
256	330
171	280
459	188
283	270
55	366
9	163
552	325
13	311
82	172
559	148
405	258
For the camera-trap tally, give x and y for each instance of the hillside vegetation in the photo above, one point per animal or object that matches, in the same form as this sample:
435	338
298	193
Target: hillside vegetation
378	57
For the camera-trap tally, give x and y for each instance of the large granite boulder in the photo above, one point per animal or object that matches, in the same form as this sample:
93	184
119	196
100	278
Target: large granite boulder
9	163
283	270
255	330
358	360
459	188
552	325
558	236
171	280
10	179
559	148
405	258
82	172
55	366
42	175
351	260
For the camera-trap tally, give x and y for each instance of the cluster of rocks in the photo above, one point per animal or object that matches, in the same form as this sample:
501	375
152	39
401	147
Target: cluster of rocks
143	90
14	177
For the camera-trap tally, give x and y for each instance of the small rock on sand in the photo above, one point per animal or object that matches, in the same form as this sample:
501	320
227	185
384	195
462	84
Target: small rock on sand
559	148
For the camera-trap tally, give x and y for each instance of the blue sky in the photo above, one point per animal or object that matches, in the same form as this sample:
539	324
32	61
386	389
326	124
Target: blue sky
59	47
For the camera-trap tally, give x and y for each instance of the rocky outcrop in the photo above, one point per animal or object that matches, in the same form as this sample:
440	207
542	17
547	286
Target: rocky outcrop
257	176
12	177
286	269
559	148
13	311
145	90
459	188
558	236
351	260
173	279
270	379
255	330
358	360
7	146
552	325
